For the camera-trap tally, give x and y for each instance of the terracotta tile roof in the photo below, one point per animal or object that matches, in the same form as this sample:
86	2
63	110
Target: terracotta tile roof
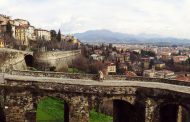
130	74
183	78
179	58
22	27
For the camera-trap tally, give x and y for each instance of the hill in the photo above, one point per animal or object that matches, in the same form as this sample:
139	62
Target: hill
107	36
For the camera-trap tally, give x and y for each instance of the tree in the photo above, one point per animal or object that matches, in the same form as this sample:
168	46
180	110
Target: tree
59	36
80	63
95	66
9	29
147	53
53	34
110	46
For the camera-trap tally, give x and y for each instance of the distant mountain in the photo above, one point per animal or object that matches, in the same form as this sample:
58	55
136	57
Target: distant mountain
106	36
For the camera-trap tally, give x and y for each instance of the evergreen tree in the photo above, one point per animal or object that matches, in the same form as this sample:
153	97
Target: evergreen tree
9	29
59	36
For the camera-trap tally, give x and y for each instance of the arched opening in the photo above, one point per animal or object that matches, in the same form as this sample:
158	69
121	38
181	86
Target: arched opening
174	113
29	60
124	112
52	109
100	111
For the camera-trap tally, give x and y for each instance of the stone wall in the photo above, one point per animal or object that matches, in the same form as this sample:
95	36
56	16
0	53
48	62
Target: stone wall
95	77
57	59
54	74
22	95
14	60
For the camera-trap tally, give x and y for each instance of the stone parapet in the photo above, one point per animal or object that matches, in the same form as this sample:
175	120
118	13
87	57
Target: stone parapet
95	77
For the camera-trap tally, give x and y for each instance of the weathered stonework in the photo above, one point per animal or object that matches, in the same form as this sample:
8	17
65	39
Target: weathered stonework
16	59
21	95
57	59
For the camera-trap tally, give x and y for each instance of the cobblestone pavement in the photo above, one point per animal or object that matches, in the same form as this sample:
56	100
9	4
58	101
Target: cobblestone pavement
166	86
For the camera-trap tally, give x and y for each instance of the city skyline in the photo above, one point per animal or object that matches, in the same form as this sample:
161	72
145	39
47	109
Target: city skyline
161	17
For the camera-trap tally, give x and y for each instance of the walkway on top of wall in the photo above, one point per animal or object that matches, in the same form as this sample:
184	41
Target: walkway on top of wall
116	83
14	50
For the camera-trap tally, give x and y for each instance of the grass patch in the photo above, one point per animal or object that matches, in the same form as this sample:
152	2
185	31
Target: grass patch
72	70
99	117
52	110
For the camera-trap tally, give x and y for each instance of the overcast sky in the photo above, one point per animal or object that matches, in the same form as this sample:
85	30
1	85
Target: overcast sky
162	17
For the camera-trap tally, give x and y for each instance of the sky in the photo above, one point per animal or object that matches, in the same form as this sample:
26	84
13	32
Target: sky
160	17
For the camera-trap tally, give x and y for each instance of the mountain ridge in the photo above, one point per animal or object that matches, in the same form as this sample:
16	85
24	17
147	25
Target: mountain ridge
107	36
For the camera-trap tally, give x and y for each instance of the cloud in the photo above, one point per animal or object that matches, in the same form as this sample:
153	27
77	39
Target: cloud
164	17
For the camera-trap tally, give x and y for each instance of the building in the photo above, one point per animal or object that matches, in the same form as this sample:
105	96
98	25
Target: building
159	74
179	59
97	57
42	34
17	23
149	73
21	34
120	58
2	43
183	78
165	56
98	52
126	56
110	68
31	33
164	74
3	22
159	64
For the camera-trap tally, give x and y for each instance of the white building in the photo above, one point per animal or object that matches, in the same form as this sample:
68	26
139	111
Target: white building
31	33
42	34
159	74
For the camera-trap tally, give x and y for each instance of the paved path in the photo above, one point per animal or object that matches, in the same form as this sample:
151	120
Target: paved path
120	83
1	78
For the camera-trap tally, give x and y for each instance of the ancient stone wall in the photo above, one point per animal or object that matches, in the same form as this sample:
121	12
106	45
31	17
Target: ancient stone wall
13	60
22	95
57	59
95	77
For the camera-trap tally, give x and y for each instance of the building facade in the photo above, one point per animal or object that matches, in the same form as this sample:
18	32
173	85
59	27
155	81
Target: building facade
31	33
42	34
21	34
